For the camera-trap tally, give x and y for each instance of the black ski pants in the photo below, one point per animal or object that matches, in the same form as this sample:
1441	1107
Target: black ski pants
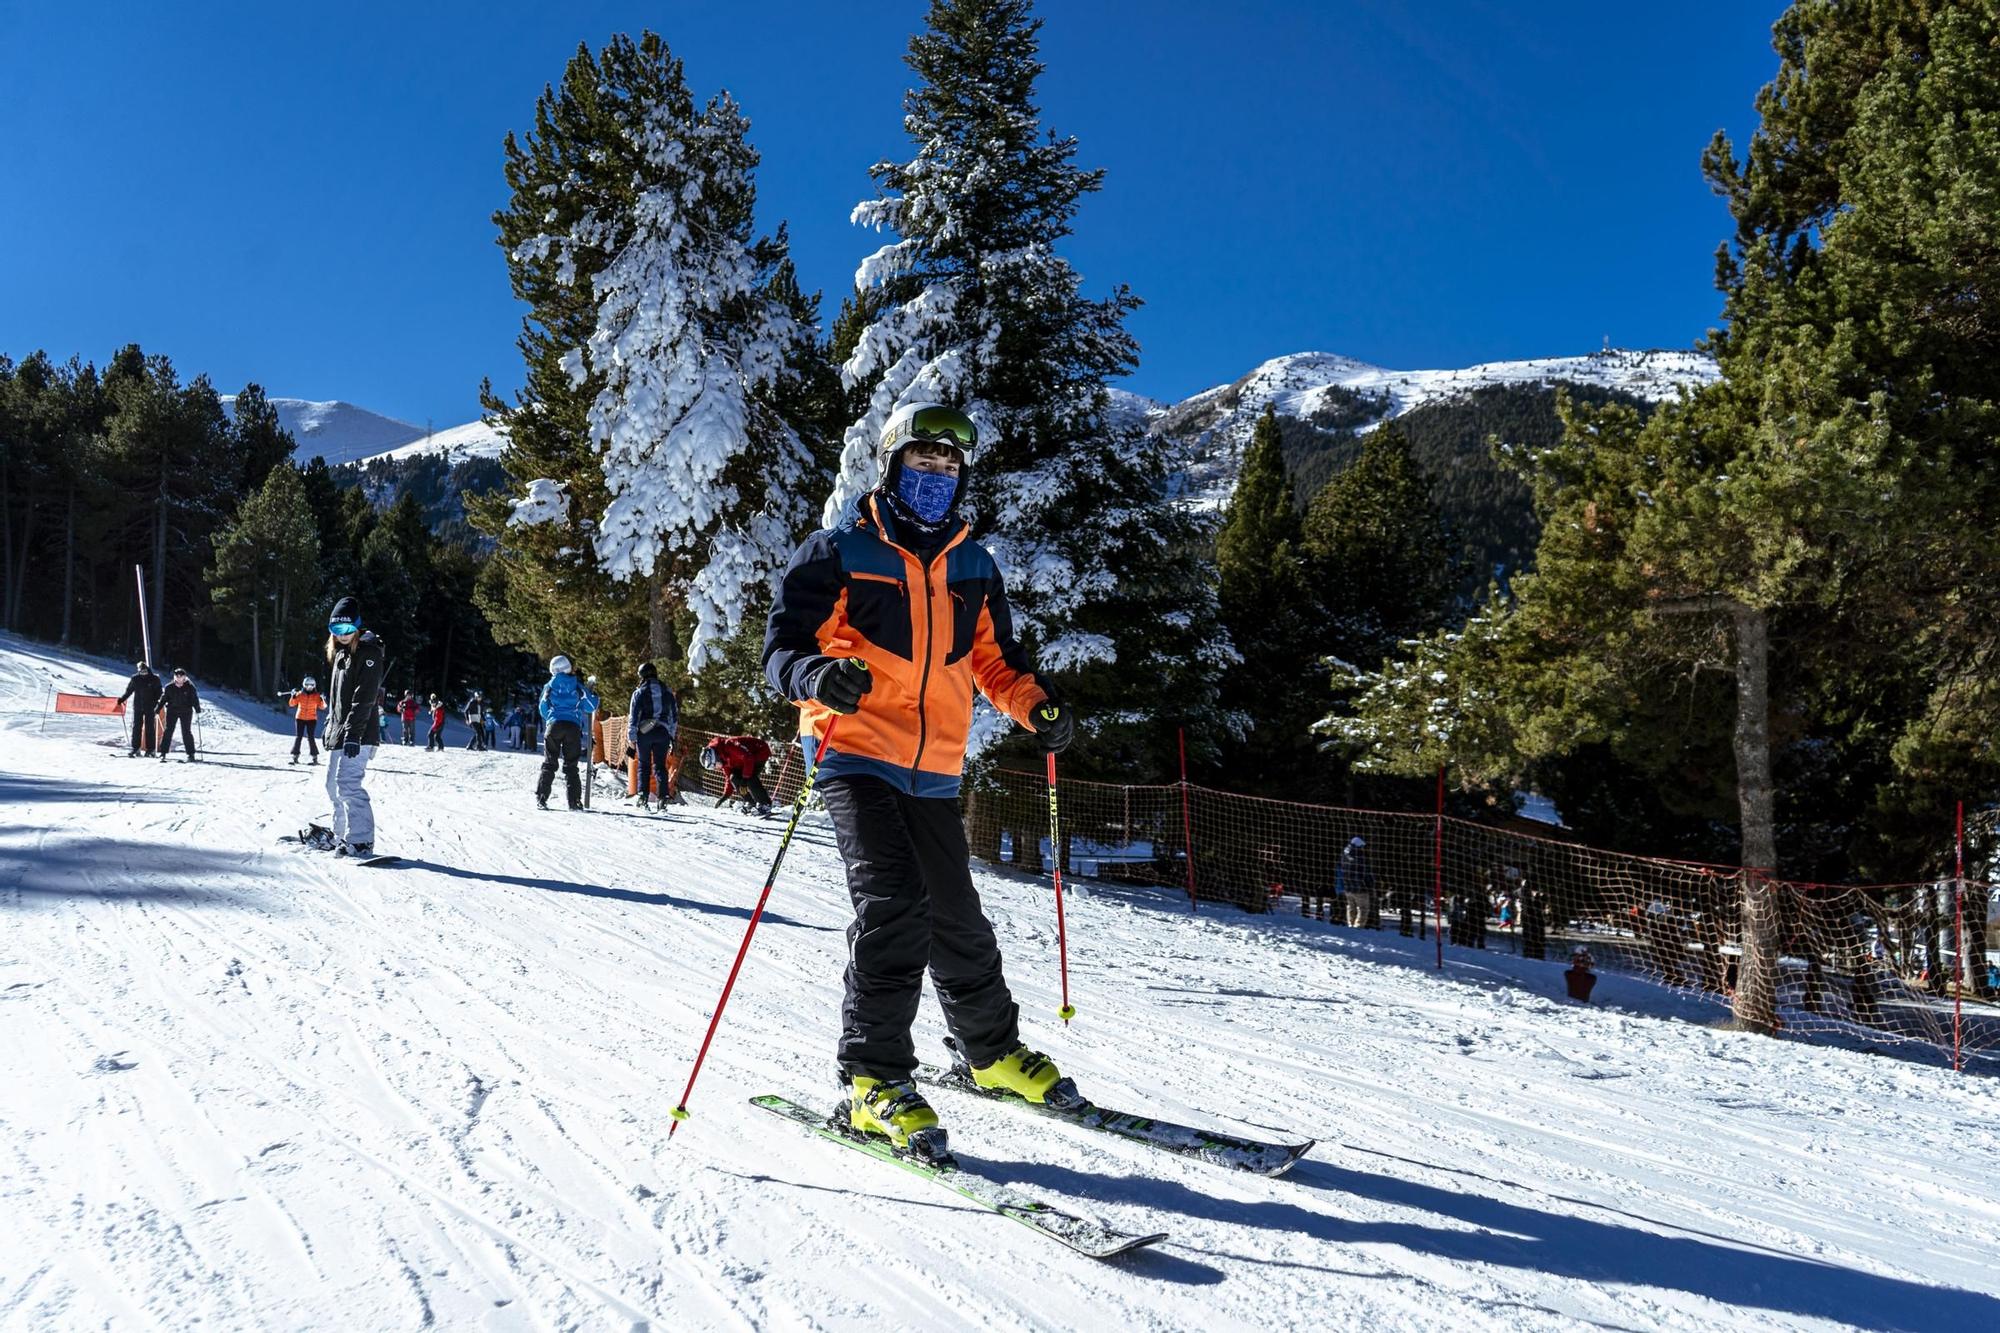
186	723
305	730
752	790
436	741
652	747
144	721
564	746
909	875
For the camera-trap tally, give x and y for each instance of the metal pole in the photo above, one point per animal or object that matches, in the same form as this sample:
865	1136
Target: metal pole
1187	819
1958	948
145	631
1437	870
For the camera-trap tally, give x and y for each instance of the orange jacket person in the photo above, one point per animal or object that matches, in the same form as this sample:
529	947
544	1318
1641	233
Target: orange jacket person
899	586
306	703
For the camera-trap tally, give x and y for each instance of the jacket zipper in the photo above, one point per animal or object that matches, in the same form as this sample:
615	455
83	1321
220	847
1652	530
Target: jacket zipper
923	683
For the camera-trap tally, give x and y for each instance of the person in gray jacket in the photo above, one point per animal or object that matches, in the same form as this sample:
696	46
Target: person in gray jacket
353	725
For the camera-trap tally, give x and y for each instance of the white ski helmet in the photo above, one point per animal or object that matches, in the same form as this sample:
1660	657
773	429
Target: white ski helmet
310	683
559	665
932	422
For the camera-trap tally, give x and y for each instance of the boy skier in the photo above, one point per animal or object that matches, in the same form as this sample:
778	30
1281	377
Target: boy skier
566	705
881	629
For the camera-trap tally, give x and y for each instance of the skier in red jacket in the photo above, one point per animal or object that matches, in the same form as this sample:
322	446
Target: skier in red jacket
738	759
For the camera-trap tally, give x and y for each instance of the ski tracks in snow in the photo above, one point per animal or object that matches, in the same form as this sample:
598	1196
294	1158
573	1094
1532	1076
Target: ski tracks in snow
245	1084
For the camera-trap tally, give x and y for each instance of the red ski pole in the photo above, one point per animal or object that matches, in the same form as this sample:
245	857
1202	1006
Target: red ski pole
1068	1010
680	1111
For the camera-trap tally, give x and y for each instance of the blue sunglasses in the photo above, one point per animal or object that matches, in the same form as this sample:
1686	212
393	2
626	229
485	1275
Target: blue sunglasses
342	627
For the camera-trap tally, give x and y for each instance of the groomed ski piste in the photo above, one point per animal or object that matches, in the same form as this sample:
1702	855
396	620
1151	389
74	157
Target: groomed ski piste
248	1086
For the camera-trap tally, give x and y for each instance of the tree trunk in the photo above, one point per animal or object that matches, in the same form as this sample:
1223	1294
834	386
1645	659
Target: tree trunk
444	668
21	564
6	540
158	589
256	653
69	563
1756	1005
656	617
278	636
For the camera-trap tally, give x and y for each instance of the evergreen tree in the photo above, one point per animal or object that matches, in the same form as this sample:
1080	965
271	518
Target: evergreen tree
663	476
1380	561
263	578
973	306
1816	528
260	439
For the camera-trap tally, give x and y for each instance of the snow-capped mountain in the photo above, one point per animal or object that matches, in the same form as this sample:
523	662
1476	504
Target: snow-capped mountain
337	431
475	439
1339	392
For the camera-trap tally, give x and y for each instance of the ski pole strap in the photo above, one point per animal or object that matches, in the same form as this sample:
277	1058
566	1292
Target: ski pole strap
1068	1010
680	1111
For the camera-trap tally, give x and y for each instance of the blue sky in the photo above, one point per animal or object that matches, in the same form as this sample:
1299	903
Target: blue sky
300	195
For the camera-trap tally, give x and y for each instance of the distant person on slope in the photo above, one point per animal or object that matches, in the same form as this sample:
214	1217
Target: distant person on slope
306	703
406	709
475	717
182	703
510	731
1354	879
144	691
882	628
653	721
436	738
566	705
353	725
739	759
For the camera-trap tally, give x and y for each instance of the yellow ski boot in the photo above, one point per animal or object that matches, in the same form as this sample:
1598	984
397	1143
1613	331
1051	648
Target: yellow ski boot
895	1110
1031	1076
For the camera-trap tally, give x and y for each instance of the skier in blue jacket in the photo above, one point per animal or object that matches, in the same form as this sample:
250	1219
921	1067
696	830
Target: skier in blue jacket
566	706
653	721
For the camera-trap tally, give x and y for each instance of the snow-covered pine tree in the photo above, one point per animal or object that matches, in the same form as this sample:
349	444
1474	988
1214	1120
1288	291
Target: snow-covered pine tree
652	443
972	305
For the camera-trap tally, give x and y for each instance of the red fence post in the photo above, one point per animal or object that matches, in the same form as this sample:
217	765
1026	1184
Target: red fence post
1187	819
1437	868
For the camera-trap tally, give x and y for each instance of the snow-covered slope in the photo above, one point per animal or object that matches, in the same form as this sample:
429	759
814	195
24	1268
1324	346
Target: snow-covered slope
245	1086
336	431
1215	425
475	439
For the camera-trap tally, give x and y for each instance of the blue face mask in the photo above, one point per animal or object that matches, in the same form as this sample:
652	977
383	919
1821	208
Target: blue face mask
928	494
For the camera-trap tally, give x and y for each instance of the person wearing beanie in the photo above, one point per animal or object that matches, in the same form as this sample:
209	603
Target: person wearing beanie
144	690
357	661
653	721
180	703
435	741
883	627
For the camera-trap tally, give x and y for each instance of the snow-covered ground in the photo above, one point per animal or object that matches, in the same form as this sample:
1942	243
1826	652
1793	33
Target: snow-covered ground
243	1086
474	439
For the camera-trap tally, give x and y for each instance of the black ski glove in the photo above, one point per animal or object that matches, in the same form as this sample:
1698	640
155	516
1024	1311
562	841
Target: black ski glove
841	683
352	749
1055	724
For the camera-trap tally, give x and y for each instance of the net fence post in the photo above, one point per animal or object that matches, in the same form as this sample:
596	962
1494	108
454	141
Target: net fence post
1187	819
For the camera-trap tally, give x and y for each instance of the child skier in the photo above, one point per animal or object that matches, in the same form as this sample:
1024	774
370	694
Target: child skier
566	705
305	703
436	739
738	759
353	725
882	628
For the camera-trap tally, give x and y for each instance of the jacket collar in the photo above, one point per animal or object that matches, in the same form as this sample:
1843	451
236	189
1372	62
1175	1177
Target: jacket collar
862	513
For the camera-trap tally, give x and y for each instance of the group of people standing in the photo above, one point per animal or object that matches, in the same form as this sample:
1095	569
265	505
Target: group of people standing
157	709
307	703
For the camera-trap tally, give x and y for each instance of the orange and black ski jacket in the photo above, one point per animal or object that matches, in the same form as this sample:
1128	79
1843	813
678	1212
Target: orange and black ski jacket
931	631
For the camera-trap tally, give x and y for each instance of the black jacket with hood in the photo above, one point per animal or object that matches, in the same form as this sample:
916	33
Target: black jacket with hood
356	684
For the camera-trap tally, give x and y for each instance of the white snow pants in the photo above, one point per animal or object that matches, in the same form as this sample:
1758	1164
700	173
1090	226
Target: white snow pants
353	816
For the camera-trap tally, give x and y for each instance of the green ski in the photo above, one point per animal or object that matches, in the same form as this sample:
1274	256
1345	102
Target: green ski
1080	1234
